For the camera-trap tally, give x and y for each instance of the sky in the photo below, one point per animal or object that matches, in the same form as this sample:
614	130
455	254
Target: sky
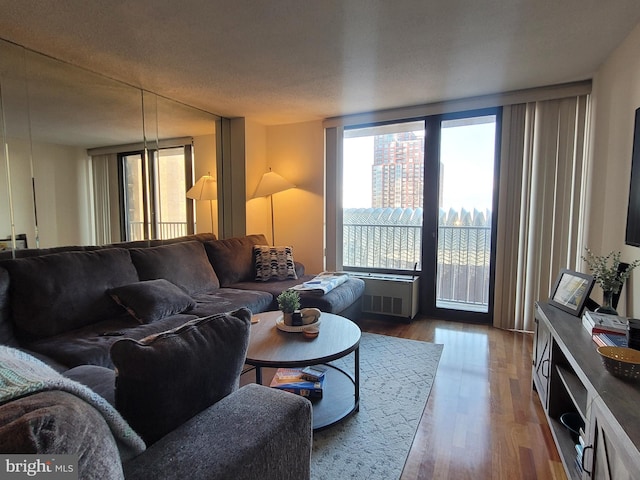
467	154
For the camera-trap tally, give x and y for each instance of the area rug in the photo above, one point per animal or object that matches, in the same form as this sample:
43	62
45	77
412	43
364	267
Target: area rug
395	380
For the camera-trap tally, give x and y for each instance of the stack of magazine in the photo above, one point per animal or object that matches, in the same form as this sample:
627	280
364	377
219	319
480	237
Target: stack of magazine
605	329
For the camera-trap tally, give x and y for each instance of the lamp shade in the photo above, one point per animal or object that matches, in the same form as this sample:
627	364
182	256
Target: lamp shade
206	188
271	183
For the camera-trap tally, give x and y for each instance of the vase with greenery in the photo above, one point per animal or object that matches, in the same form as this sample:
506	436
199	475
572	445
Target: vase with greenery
608	275
288	302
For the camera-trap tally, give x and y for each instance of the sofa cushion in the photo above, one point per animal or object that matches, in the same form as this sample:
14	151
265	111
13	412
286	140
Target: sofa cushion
200	237
90	345
273	263
59	423
56	293
151	300
165	379
227	299
99	379
184	264
232	258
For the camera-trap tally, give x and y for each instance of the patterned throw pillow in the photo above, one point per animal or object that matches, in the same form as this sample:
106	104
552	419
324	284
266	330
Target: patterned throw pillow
273	263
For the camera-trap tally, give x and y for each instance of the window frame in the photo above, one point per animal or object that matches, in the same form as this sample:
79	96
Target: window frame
149	159
340	226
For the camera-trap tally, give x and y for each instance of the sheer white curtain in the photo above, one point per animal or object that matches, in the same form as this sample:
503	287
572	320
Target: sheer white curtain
101	198
542	190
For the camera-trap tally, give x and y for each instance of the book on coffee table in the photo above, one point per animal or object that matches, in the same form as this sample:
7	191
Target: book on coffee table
291	380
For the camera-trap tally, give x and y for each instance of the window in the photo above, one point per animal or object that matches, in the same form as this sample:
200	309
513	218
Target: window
383	175
154	203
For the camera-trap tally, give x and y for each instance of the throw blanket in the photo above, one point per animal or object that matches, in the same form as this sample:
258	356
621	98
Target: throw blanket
22	374
323	283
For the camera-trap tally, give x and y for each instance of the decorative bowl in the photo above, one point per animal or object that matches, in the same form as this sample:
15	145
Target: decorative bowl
298	328
311	332
621	362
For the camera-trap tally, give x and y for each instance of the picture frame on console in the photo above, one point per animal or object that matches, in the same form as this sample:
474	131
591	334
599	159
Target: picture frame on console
571	291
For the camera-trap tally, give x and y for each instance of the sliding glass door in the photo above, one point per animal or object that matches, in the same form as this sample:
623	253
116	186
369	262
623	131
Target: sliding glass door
463	256
418	198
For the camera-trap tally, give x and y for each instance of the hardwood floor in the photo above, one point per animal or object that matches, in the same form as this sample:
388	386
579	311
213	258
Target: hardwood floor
482	420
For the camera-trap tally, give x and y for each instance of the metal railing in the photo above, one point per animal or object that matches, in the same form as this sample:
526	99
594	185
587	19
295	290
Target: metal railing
382	246
165	230
463	256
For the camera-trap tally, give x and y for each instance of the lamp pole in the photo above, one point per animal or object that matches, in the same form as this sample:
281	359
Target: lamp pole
273	235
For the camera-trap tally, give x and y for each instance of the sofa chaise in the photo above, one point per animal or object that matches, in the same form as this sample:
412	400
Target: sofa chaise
178	392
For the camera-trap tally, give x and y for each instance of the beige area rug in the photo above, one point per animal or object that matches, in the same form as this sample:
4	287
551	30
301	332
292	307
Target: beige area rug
396	376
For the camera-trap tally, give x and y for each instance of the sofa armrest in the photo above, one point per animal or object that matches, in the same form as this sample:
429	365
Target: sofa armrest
256	432
54	422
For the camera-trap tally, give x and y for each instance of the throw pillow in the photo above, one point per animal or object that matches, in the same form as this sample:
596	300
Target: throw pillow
184	264
167	378
232	258
73	287
151	300
273	263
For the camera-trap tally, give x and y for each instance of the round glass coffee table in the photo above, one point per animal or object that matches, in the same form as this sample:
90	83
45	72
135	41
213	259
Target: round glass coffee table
270	347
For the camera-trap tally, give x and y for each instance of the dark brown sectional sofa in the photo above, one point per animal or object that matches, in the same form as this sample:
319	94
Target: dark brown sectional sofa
180	313
59	303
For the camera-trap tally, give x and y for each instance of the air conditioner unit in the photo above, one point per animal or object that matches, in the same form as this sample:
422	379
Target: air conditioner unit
395	295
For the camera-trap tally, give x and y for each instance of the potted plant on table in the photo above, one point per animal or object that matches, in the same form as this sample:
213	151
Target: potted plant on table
609	274
288	302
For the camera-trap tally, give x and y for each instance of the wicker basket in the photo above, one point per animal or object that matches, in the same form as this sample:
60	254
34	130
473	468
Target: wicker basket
621	362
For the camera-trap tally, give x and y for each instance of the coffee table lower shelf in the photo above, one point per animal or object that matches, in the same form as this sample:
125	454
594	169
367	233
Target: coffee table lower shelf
339	400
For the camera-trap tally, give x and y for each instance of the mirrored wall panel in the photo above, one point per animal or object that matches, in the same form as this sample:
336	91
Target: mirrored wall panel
90	160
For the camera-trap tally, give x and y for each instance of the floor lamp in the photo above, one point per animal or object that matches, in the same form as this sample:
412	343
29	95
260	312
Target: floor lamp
272	183
206	188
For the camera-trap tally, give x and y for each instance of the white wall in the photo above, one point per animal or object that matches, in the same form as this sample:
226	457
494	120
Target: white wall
204	160
258	211
21	193
616	96
62	195
295	151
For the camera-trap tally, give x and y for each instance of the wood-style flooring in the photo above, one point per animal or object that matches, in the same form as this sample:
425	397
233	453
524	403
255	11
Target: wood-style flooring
482	420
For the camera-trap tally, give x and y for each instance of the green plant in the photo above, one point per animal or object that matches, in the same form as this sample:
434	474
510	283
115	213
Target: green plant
605	270
289	301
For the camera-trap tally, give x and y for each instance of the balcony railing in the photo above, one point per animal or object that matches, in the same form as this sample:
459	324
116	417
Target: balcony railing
391	239
464	254
165	230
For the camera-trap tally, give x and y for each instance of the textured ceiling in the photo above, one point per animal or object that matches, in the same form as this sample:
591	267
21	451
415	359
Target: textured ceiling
288	61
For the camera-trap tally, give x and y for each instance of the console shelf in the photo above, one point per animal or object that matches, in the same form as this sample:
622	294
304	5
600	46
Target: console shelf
575	390
570	378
